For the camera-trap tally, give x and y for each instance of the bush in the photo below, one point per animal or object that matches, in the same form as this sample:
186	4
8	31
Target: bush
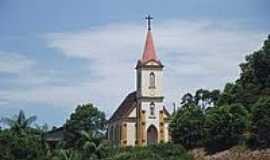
21	147
225	126
260	124
187	126
152	152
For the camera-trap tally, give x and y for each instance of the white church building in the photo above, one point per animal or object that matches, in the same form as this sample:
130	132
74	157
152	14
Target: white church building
142	118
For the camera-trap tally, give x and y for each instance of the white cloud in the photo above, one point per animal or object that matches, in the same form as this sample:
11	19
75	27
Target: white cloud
14	63
195	54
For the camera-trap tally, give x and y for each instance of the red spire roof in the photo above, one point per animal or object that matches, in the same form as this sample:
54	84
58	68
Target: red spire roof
149	52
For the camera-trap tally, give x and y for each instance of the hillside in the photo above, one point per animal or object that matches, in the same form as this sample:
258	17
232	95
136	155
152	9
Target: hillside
235	153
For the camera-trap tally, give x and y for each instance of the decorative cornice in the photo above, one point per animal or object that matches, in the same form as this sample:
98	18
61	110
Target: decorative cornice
144	66
151	98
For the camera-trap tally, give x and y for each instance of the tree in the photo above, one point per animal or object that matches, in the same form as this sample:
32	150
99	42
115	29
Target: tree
187	126
257	68
260	123
92	148
254	81
19	123
67	154
151	152
187	99
225	126
18	146
86	118
203	98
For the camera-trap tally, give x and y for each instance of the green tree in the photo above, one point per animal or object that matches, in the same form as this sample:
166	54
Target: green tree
225	126
92	148
187	99
19	123
254	81
67	154
17	146
203	97
260	123
86	118
187	126
151	152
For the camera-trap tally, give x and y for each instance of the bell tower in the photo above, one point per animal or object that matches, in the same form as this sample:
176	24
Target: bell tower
149	76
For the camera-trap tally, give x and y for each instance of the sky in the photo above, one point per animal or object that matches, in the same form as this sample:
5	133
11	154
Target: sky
56	54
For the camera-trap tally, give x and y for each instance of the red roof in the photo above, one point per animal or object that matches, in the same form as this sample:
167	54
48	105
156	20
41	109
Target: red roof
149	52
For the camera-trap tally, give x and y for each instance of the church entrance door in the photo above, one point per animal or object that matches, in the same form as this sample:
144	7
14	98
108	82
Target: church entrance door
152	135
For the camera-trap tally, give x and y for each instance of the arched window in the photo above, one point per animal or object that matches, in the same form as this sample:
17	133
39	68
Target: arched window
152	80
152	109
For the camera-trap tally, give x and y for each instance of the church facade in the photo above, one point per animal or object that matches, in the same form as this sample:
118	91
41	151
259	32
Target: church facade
142	118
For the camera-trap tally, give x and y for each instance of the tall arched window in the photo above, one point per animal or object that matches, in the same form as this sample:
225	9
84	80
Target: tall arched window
152	80
152	109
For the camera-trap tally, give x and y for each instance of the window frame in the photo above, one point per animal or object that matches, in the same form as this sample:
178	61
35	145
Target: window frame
152	109
152	80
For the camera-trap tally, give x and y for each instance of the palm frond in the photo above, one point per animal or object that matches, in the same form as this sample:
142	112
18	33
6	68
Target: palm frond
8	121
29	121
21	117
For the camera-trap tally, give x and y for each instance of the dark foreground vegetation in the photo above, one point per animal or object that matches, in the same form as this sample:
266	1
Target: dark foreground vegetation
214	120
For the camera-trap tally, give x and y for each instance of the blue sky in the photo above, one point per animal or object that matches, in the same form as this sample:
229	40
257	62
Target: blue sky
57	54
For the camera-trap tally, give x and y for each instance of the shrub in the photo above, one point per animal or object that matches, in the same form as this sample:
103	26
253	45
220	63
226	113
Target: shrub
260	124
225	126
187	126
152	152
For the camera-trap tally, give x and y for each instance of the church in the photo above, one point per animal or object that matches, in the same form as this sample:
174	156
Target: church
142	118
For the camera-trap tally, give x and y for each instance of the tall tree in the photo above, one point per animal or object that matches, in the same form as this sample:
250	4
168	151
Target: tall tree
187	126
203	98
225	126
91	147
86	118
260	123
187	99
254	80
19	122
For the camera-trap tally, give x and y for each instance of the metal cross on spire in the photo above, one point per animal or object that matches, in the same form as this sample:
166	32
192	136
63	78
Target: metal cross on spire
149	18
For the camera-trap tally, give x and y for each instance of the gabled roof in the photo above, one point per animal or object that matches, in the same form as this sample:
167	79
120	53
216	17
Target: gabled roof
166	111
125	107
55	135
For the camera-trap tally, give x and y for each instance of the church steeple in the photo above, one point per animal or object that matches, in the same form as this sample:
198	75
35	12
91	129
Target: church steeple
149	68
149	52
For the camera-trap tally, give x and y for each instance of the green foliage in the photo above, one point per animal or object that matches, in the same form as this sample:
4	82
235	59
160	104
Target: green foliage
86	118
91	148
19	123
216	128
225	126
260	123
254	81
152	152
203	98
14	146
67	154
187	126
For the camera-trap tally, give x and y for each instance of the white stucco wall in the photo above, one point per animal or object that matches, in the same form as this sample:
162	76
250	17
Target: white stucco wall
149	119
132	114
166	132
145	83
131	134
